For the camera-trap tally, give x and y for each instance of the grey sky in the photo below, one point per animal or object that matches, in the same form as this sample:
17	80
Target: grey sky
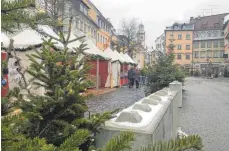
156	15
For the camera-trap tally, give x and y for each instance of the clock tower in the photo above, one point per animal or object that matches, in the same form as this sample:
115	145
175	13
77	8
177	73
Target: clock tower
141	35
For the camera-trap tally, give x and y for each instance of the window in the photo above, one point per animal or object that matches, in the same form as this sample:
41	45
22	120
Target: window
197	35
187	57
202	54
222	33
187	47
85	28
171	35
179	47
209	34
216	54
202	44
179	56
141	38
81	25
209	54
221	43
221	53
101	39
196	54
187	36
78	24
216	44
81	7
179	37
94	33
85	11
215	33
209	44
196	44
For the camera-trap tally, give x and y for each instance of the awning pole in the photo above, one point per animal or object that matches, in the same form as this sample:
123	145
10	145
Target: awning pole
97	75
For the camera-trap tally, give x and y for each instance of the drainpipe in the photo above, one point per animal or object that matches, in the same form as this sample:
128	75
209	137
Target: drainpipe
97	75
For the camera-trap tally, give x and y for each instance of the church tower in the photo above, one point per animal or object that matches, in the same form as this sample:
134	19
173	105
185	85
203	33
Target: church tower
141	35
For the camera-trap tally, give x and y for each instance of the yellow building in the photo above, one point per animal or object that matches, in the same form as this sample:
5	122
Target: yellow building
181	36
104	33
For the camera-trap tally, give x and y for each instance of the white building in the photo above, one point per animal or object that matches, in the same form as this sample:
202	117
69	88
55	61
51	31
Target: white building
160	43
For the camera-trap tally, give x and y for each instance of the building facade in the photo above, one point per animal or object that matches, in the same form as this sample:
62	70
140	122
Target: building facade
104	33
83	25
208	41
160	43
226	37
180	35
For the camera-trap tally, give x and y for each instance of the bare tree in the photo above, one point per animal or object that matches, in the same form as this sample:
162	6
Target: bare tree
129	29
59	12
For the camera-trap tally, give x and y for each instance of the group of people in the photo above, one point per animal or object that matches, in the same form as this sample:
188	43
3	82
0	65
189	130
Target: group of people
134	77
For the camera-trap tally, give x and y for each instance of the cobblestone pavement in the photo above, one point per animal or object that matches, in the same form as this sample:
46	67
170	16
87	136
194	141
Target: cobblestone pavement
205	111
119	99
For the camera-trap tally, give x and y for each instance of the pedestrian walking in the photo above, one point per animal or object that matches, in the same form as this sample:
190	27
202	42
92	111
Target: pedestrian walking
131	76
137	77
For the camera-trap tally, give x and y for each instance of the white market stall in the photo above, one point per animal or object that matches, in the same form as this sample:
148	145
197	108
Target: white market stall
113	80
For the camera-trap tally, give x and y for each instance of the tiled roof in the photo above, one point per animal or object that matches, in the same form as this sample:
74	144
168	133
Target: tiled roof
179	26
208	22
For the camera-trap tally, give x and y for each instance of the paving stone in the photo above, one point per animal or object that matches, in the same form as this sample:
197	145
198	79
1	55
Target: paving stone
119	99
205	111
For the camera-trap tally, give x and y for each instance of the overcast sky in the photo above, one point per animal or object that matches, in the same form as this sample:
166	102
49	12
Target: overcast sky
157	14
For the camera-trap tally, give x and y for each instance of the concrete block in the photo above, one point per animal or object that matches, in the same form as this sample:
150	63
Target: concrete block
149	101
177	86
142	107
155	97
161	93
151	119
131	116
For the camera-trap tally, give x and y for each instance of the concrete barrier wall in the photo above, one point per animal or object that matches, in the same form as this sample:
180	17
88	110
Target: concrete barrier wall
152	118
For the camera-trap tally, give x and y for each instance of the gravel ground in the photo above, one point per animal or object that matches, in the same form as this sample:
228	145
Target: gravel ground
119	99
205	111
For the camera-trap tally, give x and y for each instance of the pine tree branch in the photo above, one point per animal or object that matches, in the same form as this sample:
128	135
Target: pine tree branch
120	143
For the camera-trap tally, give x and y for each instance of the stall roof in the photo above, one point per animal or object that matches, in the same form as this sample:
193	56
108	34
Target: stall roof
125	57
130	59
30	37
27	38
120	58
94	50
114	56
5	40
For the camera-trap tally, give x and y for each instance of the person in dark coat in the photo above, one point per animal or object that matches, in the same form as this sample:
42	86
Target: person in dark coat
137	77
131	76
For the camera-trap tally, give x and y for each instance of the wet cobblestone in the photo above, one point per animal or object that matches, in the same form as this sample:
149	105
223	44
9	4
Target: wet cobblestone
119	99
205	111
